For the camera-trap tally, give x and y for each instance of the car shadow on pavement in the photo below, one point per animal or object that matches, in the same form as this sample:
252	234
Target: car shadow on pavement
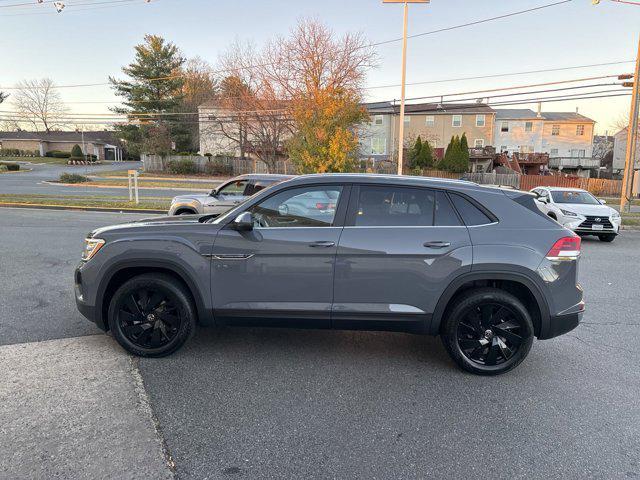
308	344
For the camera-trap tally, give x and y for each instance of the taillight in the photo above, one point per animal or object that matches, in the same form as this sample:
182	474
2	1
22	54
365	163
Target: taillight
567	248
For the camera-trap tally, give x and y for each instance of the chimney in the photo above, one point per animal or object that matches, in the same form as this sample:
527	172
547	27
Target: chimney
539	110
576	110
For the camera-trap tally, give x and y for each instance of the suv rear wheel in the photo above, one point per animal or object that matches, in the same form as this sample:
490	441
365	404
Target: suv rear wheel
488	331
152	315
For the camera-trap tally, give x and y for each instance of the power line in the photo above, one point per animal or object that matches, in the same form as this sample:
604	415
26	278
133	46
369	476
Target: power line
495	75
477	22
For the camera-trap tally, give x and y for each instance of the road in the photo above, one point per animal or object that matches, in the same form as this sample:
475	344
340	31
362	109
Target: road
263	403
33	182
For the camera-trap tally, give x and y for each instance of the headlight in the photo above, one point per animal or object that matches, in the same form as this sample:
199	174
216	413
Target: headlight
615	214
91	247
567	213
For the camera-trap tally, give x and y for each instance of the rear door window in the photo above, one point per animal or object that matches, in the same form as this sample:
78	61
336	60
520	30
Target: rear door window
392	206
445	215
470	213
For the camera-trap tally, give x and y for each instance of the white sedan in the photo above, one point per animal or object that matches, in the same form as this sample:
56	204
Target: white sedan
579	211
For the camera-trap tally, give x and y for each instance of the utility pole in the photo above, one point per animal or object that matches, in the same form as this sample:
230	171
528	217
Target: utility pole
404	76
632	137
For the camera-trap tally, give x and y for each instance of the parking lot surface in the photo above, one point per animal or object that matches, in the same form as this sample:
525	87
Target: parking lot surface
266	403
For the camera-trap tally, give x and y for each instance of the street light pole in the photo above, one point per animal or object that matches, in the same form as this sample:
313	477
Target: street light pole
632	138
404	76
403	89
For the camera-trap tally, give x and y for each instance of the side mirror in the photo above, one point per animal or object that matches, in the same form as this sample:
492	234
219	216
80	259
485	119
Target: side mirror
602	201
214	193
243	222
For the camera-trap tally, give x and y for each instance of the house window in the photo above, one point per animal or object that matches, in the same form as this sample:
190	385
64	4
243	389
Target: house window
430	120
378	120
407	119
456	121
480	120
528	126
555	130
478	143
578	153
378	146
504	127
554	152
580	130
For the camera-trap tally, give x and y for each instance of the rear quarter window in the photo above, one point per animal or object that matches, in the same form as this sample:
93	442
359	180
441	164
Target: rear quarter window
470	213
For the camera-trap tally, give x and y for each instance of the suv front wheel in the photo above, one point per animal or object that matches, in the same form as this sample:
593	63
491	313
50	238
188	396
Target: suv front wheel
152	315
488	331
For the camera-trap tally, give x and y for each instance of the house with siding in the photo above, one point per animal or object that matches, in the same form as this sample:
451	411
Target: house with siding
103	144
435	123
566	137
620	152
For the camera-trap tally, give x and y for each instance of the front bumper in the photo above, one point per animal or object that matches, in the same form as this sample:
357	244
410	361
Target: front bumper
585	225
90	312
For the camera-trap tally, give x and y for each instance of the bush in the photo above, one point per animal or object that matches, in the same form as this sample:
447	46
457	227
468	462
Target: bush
11	167
218	168
76	153
58	154
182	167
3	168
73	178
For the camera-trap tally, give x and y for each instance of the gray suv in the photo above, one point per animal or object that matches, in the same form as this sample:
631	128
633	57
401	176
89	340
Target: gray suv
481	267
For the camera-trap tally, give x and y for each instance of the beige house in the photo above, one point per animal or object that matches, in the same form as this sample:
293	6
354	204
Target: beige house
102	144
434	123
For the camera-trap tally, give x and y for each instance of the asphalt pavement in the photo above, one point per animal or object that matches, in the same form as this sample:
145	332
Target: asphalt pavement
268	403
33	182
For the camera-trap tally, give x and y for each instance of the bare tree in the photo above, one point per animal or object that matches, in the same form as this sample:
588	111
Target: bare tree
248	110
39	104
199	87
3	96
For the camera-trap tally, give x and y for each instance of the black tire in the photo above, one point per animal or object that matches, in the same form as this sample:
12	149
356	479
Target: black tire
152	315
607	238
474	338
185	212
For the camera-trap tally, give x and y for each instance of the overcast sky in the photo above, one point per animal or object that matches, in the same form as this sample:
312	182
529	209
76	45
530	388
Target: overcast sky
85	46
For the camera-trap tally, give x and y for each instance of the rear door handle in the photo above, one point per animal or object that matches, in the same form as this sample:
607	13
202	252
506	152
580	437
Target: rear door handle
437	244
322	244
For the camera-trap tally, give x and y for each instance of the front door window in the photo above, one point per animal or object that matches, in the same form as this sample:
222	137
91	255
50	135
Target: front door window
298	207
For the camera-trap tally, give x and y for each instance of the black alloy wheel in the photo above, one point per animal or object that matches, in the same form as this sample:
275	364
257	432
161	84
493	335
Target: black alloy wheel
149	318
490	334
487	331
152	315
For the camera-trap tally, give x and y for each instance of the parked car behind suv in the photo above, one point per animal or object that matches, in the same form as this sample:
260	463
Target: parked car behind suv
579	211
481	267
226	196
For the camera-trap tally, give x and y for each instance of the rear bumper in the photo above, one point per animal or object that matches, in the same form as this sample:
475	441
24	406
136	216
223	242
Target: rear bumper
561	324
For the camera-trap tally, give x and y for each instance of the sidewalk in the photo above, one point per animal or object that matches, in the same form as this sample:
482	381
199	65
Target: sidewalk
76	408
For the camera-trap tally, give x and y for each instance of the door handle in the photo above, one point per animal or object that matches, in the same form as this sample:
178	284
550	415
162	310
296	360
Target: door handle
437	244
322	244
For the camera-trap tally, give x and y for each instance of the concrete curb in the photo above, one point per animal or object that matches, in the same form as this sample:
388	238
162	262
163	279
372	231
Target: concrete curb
78	207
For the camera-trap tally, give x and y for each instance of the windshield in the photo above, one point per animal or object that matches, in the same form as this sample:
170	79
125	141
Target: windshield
584	198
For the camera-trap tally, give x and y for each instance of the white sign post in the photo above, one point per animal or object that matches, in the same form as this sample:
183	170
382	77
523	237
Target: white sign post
133	185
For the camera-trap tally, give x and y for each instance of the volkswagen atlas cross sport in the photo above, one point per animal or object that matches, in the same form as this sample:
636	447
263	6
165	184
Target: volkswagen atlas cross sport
579	211
481	267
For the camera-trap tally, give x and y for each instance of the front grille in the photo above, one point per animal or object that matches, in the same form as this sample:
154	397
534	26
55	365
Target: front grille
592	219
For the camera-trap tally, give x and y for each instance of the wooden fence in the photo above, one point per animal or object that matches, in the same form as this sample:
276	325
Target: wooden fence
240	166
597	186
